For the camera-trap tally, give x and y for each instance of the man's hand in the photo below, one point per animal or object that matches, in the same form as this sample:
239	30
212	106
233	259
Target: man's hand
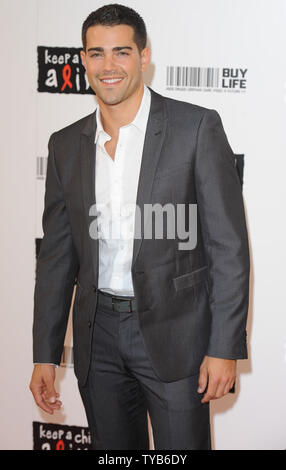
42	388
219	374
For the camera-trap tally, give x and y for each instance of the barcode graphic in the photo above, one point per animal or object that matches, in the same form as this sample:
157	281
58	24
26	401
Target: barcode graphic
41	167
208	77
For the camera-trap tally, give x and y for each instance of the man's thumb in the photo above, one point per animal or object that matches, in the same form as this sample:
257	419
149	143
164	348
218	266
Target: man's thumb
51	392
52	397
203	380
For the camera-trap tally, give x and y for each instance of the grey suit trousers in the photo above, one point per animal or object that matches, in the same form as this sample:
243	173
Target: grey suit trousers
122	387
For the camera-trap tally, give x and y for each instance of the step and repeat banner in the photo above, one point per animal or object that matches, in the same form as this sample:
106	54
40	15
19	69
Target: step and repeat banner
226	55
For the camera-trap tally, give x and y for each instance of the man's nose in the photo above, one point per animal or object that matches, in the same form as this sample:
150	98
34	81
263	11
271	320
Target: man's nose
109	62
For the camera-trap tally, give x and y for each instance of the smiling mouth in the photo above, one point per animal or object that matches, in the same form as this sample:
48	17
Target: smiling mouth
111	81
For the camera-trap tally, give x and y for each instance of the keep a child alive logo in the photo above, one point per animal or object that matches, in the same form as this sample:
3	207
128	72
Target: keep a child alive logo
50	436
60	71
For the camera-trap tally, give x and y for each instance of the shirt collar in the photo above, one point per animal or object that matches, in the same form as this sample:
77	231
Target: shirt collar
140	120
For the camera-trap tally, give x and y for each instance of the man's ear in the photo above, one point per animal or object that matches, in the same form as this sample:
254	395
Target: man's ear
83	58
145	58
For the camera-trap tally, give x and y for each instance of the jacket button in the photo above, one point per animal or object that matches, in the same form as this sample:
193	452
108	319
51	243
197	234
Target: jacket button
94	288
89	324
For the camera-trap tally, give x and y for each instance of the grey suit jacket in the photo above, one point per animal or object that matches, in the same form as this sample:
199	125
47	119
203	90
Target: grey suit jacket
190	303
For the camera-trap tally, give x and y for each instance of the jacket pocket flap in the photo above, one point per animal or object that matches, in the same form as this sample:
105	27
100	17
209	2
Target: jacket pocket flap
171	171
190	279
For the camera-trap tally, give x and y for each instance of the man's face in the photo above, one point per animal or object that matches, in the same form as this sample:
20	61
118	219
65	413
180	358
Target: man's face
113	62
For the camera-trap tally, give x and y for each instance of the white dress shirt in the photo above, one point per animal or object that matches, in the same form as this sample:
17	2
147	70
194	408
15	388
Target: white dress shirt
116	191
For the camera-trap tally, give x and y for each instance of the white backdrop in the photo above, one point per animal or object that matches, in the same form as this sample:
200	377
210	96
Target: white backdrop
248	35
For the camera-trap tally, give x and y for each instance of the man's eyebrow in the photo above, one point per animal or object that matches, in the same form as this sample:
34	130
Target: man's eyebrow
118	48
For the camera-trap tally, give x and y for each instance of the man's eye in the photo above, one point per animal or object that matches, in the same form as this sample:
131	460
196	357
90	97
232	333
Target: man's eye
97	54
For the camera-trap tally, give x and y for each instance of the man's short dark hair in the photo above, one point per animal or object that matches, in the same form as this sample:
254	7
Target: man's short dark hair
115	14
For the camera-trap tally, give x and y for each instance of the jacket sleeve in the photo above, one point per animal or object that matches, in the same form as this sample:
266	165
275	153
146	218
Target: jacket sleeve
225	239
56	270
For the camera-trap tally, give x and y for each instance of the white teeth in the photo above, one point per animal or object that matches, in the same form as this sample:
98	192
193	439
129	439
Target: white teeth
112	80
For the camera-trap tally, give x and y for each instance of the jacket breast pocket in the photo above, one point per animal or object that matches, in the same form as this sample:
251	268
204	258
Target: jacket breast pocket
191	278
173	171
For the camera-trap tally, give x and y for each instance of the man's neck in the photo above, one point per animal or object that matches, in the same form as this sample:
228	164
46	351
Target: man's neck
115	116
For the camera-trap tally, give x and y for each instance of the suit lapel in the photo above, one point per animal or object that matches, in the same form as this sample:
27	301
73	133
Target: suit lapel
88	168
154	138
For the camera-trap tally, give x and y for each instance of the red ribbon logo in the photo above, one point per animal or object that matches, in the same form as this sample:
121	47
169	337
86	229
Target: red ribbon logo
60	445
66	77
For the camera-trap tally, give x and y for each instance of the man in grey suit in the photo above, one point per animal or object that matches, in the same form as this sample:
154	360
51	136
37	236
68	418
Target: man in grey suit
158	325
